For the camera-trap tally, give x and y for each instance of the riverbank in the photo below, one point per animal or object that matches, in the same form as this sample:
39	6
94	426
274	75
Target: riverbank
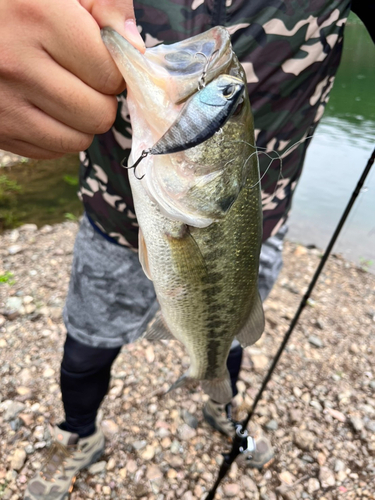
319	410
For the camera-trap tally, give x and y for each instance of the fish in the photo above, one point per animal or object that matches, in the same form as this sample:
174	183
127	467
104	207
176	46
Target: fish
198	208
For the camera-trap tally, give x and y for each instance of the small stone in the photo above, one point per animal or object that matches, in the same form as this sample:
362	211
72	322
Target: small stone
153	473
295	415
23	391
297	392
305	440
341	476
29	228
231	490
97	468
300	250
326	477
111	464
339	465
109	428
2	320
190	419
249	487
171	473
357	423
321	459
148	453
260	362
29	449
48	372
313	485
123	473
188	495
27	418
306	397
139	445
336	414
315	404
18	459
370	425
14	249
13	410
140	490
106	490
14	303
131	466
150	354
28	299
286	477
315	341
186	432
272	425
46	229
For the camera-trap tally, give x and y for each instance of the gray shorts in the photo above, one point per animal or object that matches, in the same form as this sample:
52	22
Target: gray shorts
110	301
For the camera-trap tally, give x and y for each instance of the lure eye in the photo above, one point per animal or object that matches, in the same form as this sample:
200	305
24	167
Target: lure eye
228	91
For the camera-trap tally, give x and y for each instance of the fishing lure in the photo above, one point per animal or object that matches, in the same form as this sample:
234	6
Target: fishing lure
199	119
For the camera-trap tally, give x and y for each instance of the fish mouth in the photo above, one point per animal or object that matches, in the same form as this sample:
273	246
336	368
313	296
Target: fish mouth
176	68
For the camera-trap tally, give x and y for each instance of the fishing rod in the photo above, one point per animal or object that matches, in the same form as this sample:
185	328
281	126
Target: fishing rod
240	440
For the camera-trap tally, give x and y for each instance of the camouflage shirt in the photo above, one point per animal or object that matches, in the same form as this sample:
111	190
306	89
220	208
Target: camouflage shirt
290	51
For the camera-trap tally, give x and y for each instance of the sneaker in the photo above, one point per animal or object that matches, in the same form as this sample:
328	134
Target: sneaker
66	457
257	452
219	417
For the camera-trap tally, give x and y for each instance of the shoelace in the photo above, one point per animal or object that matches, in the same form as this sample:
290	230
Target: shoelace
56	456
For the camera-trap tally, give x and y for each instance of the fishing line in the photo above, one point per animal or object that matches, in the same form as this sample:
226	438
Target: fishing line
241	437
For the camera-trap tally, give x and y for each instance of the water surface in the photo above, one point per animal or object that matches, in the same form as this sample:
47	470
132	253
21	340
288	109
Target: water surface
337	156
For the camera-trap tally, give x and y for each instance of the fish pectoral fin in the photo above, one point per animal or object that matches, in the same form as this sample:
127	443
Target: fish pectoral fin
157	329
183	381
254	326
143	255
186	254
219	389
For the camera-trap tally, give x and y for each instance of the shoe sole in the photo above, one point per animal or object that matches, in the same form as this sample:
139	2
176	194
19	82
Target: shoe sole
94	459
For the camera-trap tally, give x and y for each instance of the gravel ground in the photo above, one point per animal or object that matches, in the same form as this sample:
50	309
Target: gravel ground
319	410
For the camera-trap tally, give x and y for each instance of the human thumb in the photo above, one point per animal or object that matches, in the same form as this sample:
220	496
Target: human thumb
119	15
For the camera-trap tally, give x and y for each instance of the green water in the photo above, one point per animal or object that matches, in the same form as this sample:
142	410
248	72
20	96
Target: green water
47	192
337	156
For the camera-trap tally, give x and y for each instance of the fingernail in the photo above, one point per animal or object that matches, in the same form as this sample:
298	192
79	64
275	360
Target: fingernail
132	35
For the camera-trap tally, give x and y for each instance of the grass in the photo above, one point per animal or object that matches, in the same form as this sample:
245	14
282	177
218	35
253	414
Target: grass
7	278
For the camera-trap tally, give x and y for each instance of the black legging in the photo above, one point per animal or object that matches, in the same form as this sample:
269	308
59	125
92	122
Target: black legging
85	376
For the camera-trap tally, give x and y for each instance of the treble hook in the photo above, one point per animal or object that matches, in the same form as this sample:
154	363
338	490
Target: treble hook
202	79
144	153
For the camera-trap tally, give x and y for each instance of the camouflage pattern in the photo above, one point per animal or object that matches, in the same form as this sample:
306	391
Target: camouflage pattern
290	51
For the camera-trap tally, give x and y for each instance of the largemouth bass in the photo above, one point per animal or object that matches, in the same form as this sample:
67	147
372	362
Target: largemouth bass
199	209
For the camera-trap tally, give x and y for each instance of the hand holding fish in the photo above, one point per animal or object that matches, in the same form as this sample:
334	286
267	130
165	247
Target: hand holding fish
57	81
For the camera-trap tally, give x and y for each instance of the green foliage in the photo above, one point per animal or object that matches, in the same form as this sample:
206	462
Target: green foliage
365	264
7	278
8	186
8	201
72	180
71	217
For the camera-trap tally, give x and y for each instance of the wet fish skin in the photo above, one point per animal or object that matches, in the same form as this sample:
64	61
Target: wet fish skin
199	211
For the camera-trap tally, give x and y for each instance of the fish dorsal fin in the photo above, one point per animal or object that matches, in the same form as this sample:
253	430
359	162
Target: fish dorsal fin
254	326
143	255
157	329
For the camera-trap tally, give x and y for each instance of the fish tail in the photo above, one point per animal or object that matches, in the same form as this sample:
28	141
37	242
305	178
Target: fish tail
219	389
